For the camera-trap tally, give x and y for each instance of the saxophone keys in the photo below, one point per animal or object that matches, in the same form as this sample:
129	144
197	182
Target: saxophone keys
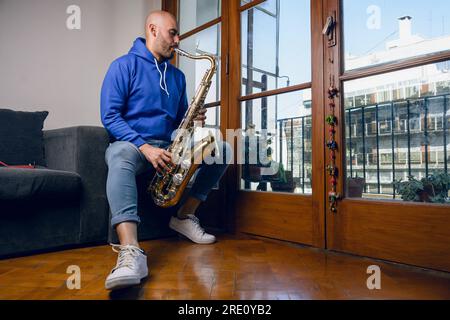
185	164
177	179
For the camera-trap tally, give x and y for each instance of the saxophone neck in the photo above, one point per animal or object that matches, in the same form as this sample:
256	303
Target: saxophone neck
209	57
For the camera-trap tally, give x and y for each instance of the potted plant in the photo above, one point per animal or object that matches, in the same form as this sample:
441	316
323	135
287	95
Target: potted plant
252	172
355	187
284	180
433	188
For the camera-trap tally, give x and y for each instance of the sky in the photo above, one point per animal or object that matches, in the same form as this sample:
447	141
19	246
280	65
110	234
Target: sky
431	19
294	48
295	39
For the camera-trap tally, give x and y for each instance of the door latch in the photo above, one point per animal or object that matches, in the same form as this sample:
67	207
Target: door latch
329	29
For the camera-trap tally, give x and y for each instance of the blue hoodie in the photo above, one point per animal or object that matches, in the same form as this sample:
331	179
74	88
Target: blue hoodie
142	99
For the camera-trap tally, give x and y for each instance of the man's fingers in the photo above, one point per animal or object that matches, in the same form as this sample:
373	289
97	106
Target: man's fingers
200	118
161	160
167	153
162	166
155	165
166	159
201	114
169	157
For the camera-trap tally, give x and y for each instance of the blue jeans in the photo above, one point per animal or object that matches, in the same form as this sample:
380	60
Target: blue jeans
125	161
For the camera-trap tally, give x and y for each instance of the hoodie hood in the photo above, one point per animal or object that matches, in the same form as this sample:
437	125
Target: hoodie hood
135	101
140	49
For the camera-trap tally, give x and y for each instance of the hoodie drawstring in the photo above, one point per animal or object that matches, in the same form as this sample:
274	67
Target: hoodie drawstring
161	77
164	78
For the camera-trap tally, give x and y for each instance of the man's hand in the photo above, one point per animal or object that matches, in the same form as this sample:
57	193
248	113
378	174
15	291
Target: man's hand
159	158
201	116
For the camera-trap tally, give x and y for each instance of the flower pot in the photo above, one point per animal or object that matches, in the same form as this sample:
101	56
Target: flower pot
355	187
251	173
423	196
288	186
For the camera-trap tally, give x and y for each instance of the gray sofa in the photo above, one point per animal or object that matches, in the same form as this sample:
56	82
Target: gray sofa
62	202
61	205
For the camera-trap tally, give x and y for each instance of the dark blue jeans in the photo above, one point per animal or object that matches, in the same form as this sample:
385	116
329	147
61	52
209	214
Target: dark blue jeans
125	161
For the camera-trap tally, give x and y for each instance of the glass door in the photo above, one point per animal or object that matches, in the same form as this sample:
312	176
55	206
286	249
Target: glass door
276	116
392	62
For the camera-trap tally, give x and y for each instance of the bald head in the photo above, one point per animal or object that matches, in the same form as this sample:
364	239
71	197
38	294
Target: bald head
161	33
158	18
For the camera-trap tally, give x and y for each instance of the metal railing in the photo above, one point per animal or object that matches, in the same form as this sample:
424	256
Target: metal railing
302	128
405	123
394	137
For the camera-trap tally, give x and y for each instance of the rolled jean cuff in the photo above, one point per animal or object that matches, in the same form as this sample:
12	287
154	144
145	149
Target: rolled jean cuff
198	196
124	218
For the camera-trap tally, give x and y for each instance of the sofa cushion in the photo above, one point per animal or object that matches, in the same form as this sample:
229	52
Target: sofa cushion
21	137
23	184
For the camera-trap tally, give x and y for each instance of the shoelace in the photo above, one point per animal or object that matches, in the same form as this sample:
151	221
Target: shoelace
196	221
126	256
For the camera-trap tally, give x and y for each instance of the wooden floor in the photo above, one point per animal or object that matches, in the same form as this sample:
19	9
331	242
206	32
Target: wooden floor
233	268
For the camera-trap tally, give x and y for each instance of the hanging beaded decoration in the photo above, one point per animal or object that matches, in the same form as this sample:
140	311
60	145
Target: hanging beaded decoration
332	145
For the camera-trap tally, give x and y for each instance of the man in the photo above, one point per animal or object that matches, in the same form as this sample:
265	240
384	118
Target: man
143	100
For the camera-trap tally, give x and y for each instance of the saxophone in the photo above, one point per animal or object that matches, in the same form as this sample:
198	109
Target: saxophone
166	188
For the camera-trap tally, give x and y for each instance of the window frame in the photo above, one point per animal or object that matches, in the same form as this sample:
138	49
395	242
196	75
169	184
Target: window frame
273	92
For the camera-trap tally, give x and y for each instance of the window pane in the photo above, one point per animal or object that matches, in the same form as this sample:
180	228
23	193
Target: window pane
381	31
276	45
277	150
268	5
397	125
213	117
194	13
206	41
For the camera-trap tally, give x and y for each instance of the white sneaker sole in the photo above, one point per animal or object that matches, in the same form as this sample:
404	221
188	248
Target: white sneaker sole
122	282
181	232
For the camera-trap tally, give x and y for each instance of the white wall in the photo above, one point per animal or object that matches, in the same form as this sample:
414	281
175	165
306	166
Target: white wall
45	66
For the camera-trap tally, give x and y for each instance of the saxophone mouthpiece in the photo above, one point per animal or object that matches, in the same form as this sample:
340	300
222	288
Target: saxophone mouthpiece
180	52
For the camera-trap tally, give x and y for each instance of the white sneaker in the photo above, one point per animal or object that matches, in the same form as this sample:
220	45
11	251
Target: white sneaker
130	269
190	227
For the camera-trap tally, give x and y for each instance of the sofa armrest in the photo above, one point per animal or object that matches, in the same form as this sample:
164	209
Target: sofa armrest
82	149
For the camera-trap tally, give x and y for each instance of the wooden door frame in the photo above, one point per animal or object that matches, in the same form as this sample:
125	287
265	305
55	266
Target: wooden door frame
405	232
256	212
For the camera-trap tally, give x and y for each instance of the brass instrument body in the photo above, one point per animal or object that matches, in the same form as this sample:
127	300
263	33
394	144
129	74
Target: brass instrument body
167	188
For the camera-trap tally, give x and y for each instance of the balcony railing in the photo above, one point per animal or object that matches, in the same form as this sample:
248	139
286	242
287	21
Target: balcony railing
385	141
402	138
295	133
